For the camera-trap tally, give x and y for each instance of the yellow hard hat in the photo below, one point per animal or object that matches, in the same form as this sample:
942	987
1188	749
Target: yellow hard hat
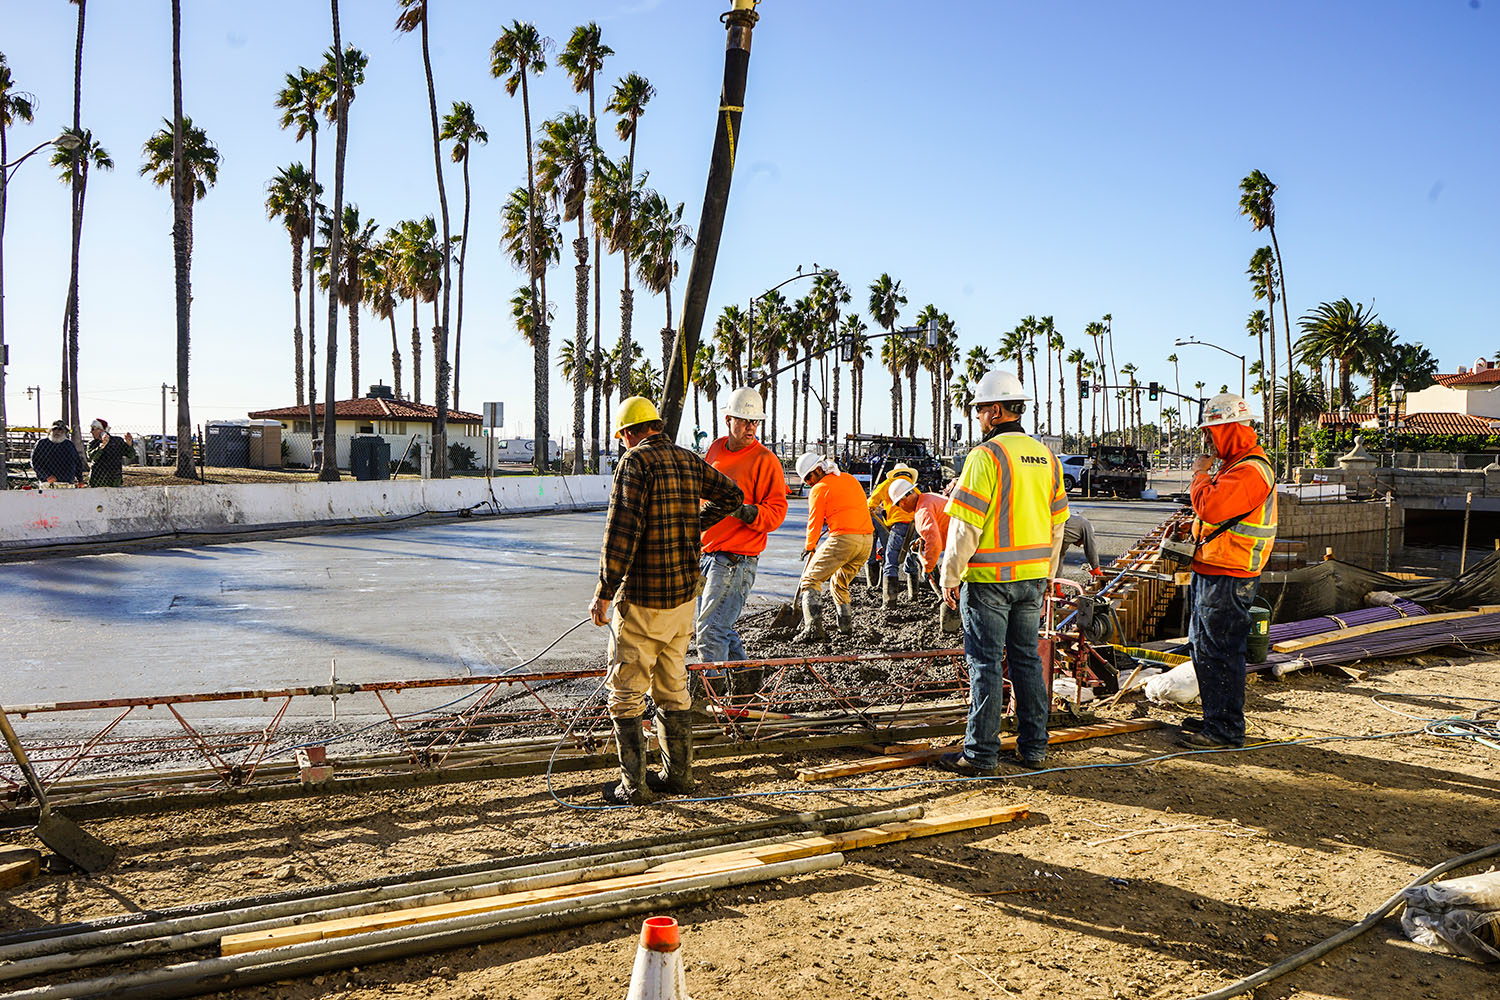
635	410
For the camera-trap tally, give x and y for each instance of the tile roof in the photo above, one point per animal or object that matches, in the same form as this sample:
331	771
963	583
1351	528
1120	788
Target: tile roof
375	409
1355	417
1421	423
1488	376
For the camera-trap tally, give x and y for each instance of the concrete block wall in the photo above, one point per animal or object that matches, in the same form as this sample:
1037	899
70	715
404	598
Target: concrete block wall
31	518
1409	482
1329	518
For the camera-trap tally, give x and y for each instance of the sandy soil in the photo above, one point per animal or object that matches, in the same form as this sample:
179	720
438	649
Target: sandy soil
1158	880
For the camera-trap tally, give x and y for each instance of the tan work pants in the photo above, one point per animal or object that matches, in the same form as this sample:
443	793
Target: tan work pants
648	652
837	558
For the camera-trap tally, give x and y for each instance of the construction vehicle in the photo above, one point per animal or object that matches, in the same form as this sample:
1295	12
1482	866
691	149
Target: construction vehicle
1118	469
868	457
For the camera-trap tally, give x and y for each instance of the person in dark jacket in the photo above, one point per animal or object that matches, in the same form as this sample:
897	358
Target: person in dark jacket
55	459
107	455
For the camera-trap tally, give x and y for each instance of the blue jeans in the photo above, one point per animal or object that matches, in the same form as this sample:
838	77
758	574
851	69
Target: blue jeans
1004	620
1217	631
895	547
880	537
727	585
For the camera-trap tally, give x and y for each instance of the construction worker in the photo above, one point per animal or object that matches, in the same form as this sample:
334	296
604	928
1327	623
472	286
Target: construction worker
1080	531
648	565
892	532
732	548
1004	543
930	522
838	502
1234	529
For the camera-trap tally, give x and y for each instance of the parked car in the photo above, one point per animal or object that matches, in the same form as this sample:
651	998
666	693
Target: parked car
1075	470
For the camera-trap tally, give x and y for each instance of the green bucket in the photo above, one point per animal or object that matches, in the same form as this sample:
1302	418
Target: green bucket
1259	643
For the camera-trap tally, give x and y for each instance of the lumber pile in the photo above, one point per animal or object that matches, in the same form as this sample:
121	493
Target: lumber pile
891	762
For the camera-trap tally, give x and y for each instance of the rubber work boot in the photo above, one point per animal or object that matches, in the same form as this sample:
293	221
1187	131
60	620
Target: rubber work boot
949	620
872	575
913	587
890	595
674	731
812	618
631	789
843	615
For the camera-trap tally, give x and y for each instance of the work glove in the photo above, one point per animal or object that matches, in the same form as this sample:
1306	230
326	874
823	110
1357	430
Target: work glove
806	553
1097	573
747	513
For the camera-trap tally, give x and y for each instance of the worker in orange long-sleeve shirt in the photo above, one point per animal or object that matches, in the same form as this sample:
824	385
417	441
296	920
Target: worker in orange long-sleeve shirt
732	548
837	501
930	519
1235	530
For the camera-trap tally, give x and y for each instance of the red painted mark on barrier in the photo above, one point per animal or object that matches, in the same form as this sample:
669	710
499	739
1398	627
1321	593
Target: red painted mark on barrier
46	522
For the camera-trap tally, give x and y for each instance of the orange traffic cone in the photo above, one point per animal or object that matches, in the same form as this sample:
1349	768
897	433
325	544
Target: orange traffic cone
658	963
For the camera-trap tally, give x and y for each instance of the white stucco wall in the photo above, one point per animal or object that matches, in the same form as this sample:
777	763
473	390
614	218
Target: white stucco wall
1439	399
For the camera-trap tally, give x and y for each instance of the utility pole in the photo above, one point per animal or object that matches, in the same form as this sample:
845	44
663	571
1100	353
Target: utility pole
740	22
164	390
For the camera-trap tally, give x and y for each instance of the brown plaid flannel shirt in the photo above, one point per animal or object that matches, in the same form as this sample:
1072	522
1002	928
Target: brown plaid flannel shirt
653	535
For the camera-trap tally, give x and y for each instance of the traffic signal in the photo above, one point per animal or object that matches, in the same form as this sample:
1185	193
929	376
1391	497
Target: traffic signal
1153	391
1083	390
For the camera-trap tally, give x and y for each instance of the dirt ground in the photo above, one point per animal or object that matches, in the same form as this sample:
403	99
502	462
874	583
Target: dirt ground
1159	880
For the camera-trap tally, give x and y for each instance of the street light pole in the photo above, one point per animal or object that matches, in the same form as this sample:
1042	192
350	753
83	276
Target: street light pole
750	333
164	390
1180	342
37	390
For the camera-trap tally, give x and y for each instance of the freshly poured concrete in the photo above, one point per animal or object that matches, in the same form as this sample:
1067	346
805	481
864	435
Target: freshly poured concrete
462	597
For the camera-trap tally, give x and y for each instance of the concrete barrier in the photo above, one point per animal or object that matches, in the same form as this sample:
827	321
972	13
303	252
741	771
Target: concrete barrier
38	518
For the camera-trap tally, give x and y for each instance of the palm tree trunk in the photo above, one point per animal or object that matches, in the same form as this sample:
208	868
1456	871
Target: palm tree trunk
1049	381
354	383
182	227
297	319
329	472
463	256
440	335
775	399
911	416
833	417
895	401
795	386
627	300
1036	399
1271	314
4	428
597	368
416	352
70	317
540	431
312	297
395	357
1292	435
806	385
581	347
1062	400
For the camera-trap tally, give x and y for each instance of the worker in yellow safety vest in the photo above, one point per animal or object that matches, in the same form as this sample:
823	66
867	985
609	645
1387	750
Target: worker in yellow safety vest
1234	502
1005	535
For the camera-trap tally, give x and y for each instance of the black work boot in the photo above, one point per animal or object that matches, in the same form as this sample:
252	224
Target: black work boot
913	587
872	575
631	789
812	618
674	731
890	593
843	617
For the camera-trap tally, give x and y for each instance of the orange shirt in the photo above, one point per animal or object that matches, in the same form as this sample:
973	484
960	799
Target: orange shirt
760	477
932	524
838	501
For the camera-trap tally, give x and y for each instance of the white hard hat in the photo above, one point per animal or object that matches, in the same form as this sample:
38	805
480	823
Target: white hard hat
746	404
806	462
1226	408
999	387
899	489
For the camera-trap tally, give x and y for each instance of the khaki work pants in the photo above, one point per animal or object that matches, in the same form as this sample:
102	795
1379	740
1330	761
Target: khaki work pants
837	558
648	653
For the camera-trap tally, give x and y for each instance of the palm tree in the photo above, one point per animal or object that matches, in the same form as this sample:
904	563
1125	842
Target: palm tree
646	380
1013	347
186	148
1256	327
567	154
769	341
1258	203
885	305
418	273
73	169
962	395
349	274
582	59
1078	360
1262	273
575	367
659	234
287	199
461	128
344	70
629	100
729	341
922	356
519	49
1109	332
830	295
1340	331
300	100
853	330
706	380
382	295
15	106
1047	329
1133	402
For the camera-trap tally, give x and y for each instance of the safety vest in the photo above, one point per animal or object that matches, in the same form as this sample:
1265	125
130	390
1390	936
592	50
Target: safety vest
1011	488
1244	548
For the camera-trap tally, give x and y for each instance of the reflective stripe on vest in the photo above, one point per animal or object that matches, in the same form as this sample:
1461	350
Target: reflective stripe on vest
1246	546
1016	540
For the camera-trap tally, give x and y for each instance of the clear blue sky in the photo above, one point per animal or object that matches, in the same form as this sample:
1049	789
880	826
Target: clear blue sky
999	158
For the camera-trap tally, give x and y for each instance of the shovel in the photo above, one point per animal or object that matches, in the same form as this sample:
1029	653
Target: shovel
58	832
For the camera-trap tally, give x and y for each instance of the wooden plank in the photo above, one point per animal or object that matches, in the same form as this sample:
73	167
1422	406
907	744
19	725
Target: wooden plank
17	867
719	862
891	762
1339	635
1340	671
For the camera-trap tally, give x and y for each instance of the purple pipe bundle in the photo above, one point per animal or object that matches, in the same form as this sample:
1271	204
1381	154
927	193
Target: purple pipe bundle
1332	623
1417	637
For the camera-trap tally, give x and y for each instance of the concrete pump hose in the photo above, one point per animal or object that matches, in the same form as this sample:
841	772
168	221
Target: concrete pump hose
1322	948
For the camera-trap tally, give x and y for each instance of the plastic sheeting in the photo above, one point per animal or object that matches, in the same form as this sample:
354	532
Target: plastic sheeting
1332	587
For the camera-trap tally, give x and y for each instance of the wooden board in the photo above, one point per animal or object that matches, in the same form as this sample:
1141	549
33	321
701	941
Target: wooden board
729	860
1339	635
891	762
17	867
